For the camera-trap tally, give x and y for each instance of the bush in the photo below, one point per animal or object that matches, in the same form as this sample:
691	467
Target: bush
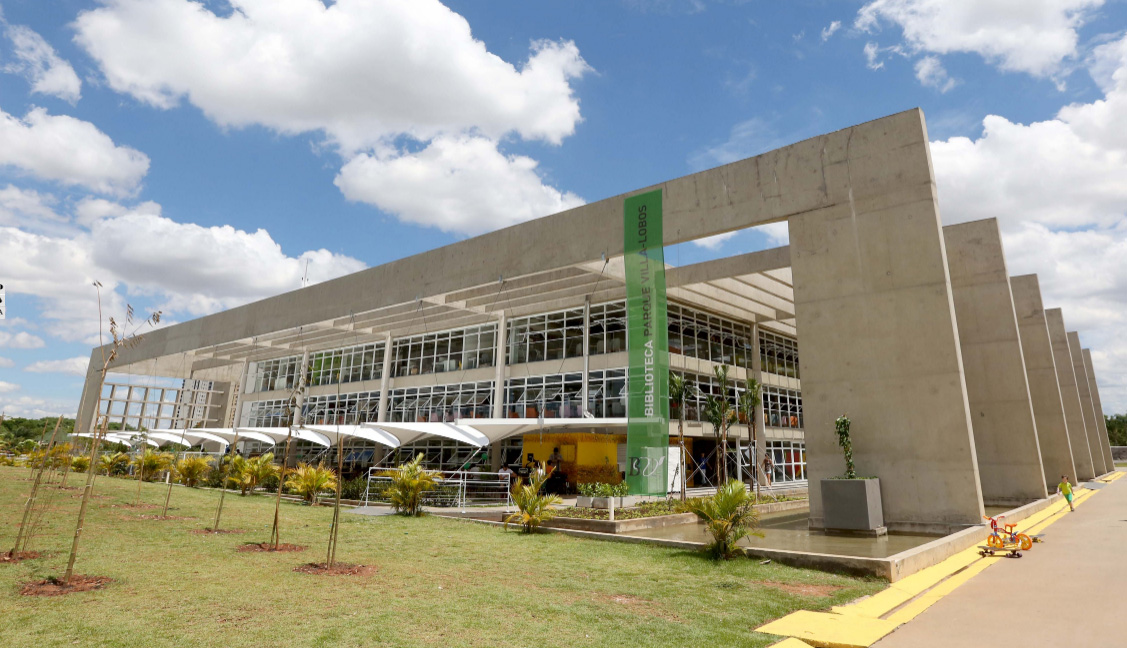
113	464
354	489
533	509
308	481
190	471
409	483
730	515
152	463
601	489
80	464
606	473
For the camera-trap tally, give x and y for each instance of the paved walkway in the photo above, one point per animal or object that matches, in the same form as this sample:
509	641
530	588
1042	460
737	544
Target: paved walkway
1067	591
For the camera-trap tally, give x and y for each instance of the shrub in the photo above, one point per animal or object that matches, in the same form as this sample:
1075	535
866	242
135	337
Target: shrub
533	508
841	426
606	473
190	471
409	482
151	463
248	474
80	464
601	489
308	481
113	464
353	489
730	516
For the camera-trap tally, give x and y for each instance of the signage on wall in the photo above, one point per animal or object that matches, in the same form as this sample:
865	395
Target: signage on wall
647	341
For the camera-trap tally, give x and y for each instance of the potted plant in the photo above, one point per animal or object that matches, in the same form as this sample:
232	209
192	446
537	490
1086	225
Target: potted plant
599	495
851	504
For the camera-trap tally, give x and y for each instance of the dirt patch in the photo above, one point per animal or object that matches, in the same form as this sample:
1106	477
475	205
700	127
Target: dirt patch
92	496
215	532
55	587
338	569
265	546
802	590
641	606
160	517
136	507
19	556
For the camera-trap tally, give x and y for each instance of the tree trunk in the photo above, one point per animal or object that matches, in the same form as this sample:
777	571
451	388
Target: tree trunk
85	499
224	473
274	532
681	434
21	533
331	556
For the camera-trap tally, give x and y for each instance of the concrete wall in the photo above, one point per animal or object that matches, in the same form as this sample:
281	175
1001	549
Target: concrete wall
1041	371
1005	434
1070	396
879	341
1105	441
1087	405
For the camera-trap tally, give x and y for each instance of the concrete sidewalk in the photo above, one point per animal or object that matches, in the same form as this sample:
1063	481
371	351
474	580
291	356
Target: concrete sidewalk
1066	591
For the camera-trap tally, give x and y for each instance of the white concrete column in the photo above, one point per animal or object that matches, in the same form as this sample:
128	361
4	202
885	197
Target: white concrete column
586	354
760	447
1005	434
1044	388
1070	395
879	339
501	361
91	395
240	398
1105	442
1087	407
385	379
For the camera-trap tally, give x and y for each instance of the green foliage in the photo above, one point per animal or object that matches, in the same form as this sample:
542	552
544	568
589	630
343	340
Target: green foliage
677	395
151	463
730	516
1117	429
749	400
113	463
409	482
602	489
80	464
841	426
190	471
353	489
248	474
643	510
307	480
15	429
533	508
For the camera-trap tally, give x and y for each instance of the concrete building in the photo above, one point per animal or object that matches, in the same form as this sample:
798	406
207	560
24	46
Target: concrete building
874	311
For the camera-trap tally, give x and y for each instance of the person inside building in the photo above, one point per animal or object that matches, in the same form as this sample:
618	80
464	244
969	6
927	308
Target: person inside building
555	460
768	469
505	472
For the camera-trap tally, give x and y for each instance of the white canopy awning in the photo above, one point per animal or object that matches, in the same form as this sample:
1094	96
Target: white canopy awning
117	437
410	432
280	434
496	429
375	435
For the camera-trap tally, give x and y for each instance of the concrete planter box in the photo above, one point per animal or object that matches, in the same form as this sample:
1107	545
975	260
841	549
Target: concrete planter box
604	502
853	506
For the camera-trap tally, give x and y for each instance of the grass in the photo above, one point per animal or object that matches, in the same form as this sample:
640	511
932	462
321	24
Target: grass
439	582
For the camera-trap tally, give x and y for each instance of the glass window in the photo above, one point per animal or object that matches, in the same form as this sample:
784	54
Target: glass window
782	408
778	354
788	461
458	350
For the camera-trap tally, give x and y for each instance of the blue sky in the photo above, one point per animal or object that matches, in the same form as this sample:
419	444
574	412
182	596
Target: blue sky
192	157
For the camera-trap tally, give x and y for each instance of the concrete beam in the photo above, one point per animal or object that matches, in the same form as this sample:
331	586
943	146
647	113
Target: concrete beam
1105	441
1041	372
1005	433
879	340
805	177
735	266
1070	396
1087	406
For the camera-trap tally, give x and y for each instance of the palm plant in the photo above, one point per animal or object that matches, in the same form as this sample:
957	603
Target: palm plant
307	480
718	411
190	471
110	464
677	395
409	483
533	508
151	463
80	464
247	474
730	515
748	403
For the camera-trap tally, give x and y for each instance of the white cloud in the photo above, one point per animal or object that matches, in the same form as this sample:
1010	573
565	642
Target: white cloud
6	362
932	74
20	340
32	407
8	387
1057	189
28	208
72	366
872	56
459	184
374	77
90	210
362	71
1032	36
828	32
715	241
37	61
70	151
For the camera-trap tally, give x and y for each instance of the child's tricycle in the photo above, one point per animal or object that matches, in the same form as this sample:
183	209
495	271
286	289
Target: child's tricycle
1006	540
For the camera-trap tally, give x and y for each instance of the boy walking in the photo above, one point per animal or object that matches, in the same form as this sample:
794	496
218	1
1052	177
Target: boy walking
1065	488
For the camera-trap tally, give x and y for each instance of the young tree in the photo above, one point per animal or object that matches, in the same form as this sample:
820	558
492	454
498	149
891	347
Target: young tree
677	400
720	414
749	402
122	338
22	533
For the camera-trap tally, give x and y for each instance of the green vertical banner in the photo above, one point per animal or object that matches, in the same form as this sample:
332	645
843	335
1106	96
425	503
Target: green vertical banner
647	432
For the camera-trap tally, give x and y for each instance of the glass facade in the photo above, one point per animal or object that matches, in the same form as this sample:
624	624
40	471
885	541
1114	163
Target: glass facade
608	328
554	336
698	389
345	409
708	337
280	373
456	350
441	403
351	364
778	354
270	413
782	408
788	461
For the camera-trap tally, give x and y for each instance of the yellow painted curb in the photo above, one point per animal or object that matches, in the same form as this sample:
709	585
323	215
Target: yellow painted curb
790	642
829	630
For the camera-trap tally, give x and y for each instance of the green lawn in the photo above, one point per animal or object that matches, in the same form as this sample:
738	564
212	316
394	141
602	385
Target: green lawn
439	582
